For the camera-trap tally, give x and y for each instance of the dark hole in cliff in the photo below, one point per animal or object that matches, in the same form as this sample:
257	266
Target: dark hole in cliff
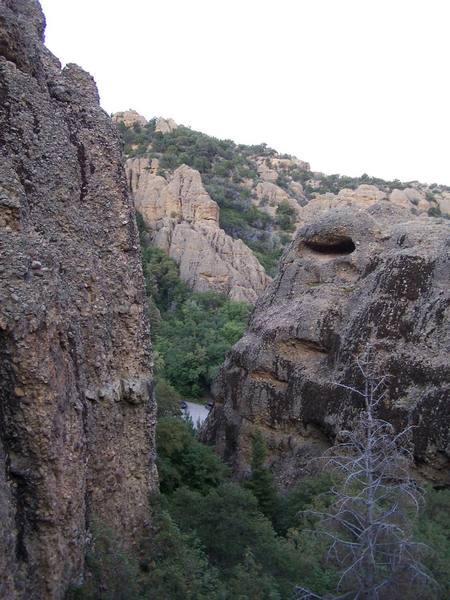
331	245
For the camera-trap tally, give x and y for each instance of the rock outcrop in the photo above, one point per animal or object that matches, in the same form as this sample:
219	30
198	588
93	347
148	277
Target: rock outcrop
269	196
183	221
165	125
129	118
76	407
349	278
364	196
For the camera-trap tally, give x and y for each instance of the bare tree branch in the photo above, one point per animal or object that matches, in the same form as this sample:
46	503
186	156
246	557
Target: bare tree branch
369	522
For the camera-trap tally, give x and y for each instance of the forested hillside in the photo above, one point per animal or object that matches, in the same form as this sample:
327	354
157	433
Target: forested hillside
261	192
228	172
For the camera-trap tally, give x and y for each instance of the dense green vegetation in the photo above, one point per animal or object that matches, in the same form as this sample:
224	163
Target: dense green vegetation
192	332
261	482
214	539
209	538
183	460
194	337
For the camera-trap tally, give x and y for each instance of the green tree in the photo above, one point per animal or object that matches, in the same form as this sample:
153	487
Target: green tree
261	482
183	460
433	528
162	279
194	338
175	565
167	398
248	581
286	216
309	493
229	525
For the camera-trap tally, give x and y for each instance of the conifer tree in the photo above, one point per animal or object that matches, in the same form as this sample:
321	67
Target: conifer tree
261	482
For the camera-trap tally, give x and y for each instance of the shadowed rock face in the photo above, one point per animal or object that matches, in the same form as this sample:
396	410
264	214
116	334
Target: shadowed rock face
76	407
349	278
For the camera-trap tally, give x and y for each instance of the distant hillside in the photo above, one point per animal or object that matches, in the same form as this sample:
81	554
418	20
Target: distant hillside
261	193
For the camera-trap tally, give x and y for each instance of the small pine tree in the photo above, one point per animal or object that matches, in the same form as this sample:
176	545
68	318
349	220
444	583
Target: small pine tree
261	482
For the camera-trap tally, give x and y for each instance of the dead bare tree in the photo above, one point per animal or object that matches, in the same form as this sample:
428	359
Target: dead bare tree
369	523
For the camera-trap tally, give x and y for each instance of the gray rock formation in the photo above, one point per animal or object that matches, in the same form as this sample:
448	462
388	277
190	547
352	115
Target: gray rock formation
76	408
349	278
183	221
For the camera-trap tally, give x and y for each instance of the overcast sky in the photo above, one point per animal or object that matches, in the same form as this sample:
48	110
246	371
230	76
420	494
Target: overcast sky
351	86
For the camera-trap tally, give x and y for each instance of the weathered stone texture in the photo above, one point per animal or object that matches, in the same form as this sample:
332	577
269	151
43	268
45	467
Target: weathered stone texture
350	277
76	407
183	221
129	118
165	125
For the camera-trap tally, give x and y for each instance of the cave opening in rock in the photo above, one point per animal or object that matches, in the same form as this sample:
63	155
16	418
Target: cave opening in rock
341	244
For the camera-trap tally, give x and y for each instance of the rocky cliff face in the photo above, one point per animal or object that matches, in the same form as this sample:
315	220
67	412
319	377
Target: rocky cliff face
76	409
349	278
183	221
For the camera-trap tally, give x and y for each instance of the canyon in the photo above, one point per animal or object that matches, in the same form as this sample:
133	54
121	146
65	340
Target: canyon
329	266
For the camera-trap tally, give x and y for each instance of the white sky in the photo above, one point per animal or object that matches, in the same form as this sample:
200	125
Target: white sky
351	86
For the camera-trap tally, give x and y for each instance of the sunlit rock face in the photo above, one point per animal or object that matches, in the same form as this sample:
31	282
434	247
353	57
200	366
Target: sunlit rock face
413	200
183	221
165	125
129	118
350	278
76	402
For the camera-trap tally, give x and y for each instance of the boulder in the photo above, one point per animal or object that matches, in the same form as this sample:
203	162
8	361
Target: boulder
165	125
410	198
269	196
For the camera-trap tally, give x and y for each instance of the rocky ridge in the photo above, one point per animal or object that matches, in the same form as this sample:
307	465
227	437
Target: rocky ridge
350	277
76	401
183	220
129	118
264	196
365	195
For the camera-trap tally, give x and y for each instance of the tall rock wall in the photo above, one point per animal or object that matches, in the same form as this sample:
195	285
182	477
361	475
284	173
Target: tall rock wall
350	278
183	221
76	407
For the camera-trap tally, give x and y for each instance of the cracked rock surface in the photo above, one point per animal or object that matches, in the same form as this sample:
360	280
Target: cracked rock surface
183	221
76	401
350	277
